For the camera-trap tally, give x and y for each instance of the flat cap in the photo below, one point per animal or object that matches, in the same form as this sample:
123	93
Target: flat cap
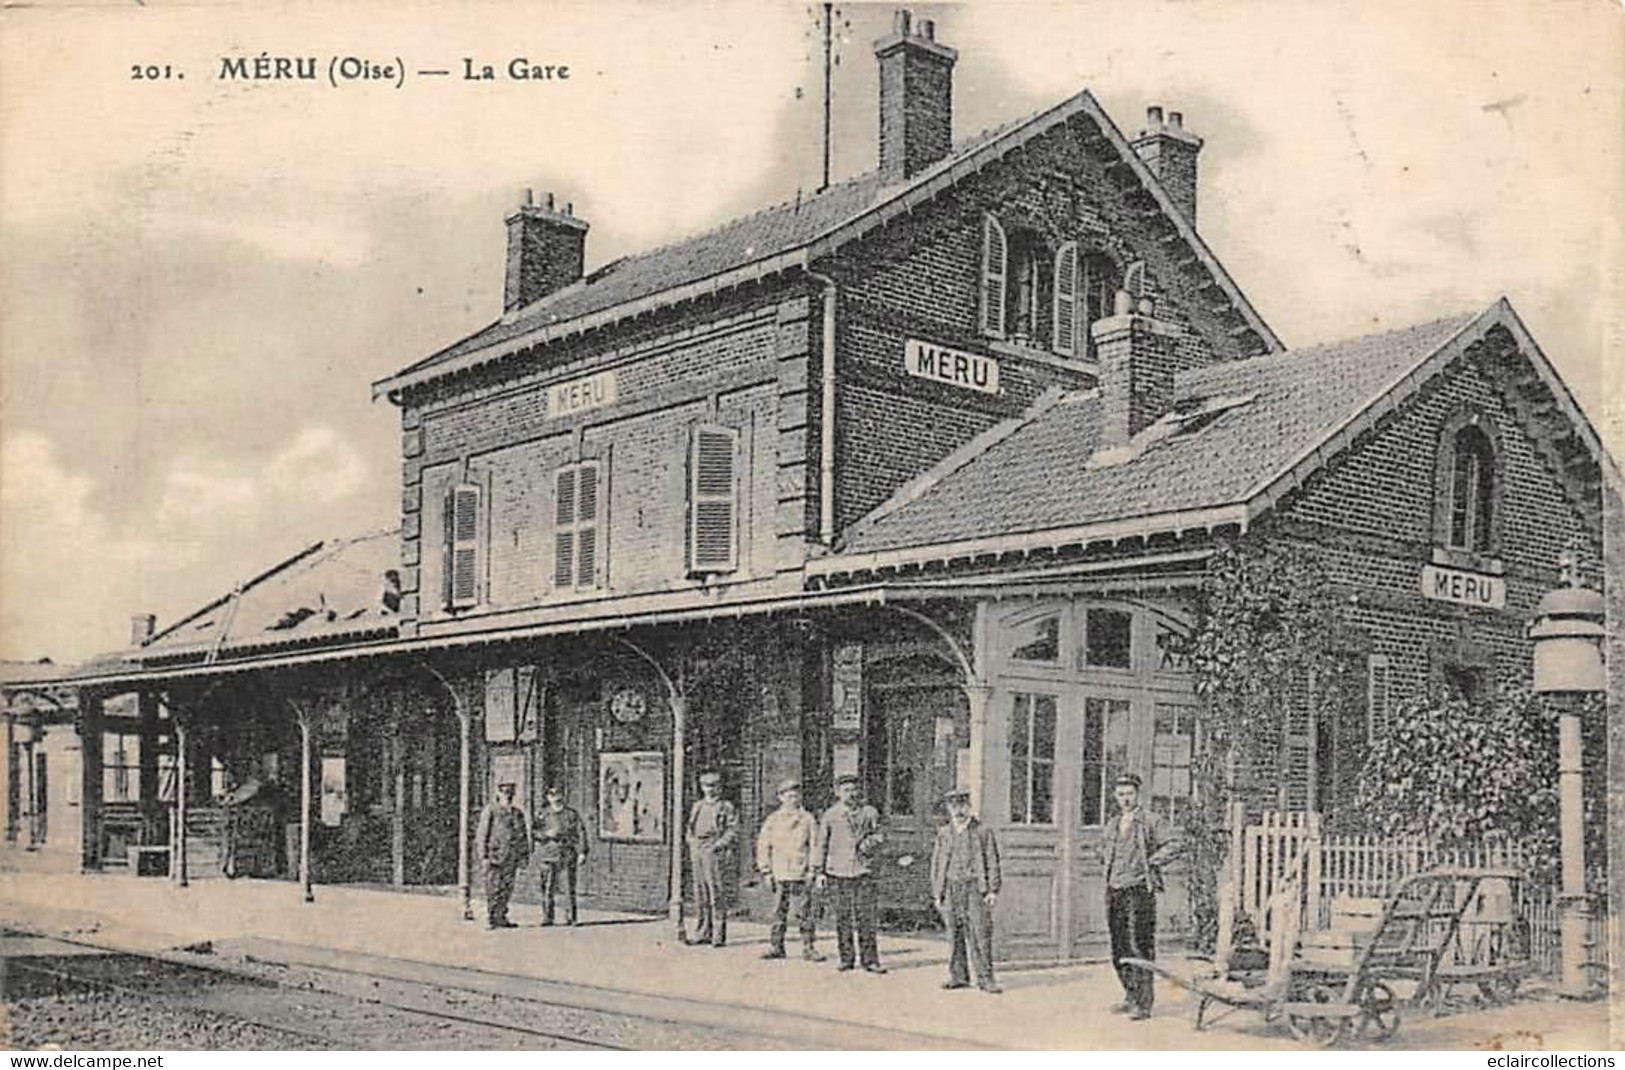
957	793
791	784
506	785
846	778
555	789
1131	780
710	778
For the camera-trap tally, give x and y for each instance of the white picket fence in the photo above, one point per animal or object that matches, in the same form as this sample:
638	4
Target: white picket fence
1287	855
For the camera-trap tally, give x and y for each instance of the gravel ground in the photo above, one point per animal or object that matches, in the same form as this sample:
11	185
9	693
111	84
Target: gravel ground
164	1005
103	1021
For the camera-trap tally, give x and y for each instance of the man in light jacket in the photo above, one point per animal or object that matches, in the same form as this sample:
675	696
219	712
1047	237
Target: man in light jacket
965	881
1134	848
848	836
784	856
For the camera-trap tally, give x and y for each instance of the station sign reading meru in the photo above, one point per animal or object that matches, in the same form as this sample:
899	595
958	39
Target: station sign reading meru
970	371
1463	588
580	395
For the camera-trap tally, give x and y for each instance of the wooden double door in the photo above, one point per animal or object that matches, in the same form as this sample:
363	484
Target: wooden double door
1055	750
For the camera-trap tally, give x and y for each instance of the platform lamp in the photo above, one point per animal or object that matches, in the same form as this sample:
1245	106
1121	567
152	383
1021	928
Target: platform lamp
1568	632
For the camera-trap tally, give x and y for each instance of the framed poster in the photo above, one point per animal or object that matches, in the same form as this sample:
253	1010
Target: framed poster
632	796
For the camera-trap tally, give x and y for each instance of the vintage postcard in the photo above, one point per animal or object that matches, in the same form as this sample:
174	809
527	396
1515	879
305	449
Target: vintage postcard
723	526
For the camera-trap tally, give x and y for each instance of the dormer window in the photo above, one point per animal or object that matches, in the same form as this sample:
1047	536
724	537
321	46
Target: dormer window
1467	487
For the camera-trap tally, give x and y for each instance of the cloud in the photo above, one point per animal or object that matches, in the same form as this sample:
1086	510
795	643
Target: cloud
62	563
318	464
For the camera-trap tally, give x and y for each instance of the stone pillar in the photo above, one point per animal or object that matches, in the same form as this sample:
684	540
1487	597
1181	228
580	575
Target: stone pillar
183	791
13	784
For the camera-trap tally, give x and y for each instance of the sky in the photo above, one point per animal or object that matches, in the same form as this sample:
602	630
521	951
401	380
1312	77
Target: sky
202	276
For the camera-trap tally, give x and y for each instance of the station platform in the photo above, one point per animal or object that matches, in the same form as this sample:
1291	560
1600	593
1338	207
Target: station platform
613	958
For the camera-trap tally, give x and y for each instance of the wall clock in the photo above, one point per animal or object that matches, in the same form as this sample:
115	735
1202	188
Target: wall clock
627	705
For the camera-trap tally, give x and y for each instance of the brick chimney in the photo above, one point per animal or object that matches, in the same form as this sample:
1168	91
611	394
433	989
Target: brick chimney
143	626
1138	356
1170	151
916	97
546	251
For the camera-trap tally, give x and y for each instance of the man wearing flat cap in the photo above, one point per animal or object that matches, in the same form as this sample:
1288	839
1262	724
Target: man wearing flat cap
784	856
1134	848
561	847
965	881
502	846
848	837
713	829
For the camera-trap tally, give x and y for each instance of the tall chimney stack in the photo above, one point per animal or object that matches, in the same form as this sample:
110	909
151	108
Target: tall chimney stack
1170	151
547	250
143	626
916	97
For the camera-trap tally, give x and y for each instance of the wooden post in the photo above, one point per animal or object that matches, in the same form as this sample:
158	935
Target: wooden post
183	784
13	785
679	731
90	784
397	825
306	743
148	775
465	773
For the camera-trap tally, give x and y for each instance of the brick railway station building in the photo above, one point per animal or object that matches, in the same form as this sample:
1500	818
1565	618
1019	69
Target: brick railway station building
916	477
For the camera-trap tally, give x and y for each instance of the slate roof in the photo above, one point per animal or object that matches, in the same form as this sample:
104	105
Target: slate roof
1041	472
785	236
332	590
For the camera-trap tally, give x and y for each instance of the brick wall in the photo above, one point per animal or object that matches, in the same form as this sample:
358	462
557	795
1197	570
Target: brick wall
743	365
919	277
1371	521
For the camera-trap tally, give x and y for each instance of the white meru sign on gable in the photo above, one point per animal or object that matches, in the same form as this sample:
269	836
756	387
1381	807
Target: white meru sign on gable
925	360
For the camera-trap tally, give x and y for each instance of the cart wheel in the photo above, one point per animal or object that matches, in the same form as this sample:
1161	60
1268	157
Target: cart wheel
1322	1032
1380	1019
1201	1011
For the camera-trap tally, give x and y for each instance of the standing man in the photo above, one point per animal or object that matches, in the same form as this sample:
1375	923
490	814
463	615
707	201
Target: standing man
784	854
965	880
502	845
848	836
1134	849
713	829
561	845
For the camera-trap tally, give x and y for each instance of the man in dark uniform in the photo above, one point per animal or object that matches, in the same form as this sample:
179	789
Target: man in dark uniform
1134	849
848	836
561	847
502	845
965	880
713	829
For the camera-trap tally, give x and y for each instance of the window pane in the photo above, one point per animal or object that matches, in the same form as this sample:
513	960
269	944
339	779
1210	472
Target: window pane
1093	735
1044	728
1038	640
1461	494
1116	743
1108	639
1043	812
1018	792
1020	715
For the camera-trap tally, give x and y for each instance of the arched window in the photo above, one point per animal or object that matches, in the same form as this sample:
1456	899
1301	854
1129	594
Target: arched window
1467	487
1472	491
995	266
1029	289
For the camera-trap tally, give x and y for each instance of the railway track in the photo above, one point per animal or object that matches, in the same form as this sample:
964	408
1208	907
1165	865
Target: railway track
400	1003
314	1017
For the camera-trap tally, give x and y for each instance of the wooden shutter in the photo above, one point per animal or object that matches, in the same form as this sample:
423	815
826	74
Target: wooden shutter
587	541
1065	331
994	271
465	546
564	528
713	511
1379	695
